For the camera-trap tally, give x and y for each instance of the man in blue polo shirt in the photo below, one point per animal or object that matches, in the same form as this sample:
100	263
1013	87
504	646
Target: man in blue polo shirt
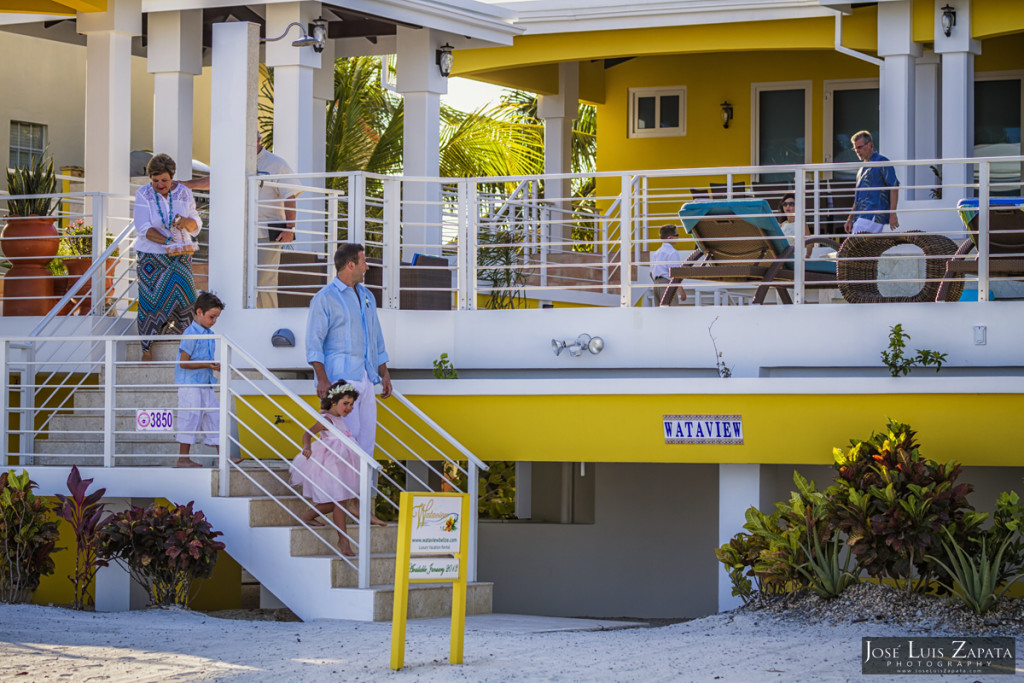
874	202
344	341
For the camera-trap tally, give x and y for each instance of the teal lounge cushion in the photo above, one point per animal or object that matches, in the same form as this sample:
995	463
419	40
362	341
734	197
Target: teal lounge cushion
758	213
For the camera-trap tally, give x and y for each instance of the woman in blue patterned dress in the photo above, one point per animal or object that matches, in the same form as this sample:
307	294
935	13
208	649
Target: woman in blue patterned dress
164	273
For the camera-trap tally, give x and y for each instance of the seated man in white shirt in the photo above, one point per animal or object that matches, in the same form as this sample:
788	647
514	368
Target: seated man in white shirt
667	292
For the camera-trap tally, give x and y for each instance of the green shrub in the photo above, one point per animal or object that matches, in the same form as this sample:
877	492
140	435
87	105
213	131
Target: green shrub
893	503
165	549
27	538
899	364
739	556
977	581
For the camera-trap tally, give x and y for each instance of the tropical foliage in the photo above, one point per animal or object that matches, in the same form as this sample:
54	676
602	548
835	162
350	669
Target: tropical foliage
35	179
27	538
86	515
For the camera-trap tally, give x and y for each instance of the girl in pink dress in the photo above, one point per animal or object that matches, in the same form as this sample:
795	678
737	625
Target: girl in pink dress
328	470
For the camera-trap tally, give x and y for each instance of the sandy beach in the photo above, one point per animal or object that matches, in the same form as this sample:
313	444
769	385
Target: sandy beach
47	643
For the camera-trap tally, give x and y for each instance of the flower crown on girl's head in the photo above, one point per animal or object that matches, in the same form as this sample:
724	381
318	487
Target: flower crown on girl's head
334	392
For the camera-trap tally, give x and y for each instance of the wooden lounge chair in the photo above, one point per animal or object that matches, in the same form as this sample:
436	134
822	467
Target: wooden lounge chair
741	241
1005	244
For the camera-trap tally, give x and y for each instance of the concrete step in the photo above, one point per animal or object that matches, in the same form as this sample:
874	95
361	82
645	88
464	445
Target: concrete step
245	485
382	571
162	350
428	600
267	511
308	543
129	398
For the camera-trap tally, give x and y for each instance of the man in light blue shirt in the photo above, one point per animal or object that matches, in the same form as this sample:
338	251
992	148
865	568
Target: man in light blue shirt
344	341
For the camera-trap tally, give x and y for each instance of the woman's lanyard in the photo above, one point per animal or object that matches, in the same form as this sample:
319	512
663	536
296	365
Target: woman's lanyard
166	221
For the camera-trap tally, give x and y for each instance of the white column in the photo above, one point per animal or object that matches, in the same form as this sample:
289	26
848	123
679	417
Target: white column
957	133
558	113
232	153
323	92
174	57
739	487
896	80
113	588
421	84
926	118
108	103
294	68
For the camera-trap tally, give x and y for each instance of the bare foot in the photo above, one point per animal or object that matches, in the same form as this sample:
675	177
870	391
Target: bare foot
147	356
237	461
313	521
377	522
345	548
187	462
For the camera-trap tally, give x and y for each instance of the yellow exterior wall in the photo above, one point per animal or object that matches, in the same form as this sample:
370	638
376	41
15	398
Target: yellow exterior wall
778	428
1005	53
995	17
788	429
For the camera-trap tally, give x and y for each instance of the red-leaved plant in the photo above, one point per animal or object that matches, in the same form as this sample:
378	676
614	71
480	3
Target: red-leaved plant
86	515
164	548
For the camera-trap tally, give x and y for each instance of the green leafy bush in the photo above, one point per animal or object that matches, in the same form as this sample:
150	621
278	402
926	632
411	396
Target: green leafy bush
86	515
165	549
893	503
443	368
899	364
36	179
27	538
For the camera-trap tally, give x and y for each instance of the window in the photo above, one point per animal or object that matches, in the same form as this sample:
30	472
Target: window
28	143
850	106
782	127
997	124
657	112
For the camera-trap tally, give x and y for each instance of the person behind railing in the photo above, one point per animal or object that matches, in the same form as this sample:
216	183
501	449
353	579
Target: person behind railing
874	201
787	221
198	411
276	216
667	291
327	469
165	212
344	339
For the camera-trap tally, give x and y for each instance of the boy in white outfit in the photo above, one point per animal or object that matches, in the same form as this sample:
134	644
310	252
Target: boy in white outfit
667	292
197	401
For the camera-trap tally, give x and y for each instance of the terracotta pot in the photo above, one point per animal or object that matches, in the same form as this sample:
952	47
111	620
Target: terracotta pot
61	284
76	269
29	244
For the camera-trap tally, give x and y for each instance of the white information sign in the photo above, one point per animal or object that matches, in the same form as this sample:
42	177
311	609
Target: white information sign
434	568
436	525
713	429
154	420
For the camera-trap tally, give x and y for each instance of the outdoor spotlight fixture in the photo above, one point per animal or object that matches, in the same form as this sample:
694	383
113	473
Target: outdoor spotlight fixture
948	19
726	113
315	37
445	59
593	344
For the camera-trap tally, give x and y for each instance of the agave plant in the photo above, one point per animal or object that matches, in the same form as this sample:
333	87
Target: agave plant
36	179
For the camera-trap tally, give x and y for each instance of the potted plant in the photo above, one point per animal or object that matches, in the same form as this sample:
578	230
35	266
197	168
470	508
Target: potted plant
76	252
30	239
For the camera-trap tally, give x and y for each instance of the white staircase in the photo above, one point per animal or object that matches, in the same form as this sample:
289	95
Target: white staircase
294	563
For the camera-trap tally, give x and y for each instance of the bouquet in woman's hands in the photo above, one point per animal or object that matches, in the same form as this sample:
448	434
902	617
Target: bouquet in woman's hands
181	237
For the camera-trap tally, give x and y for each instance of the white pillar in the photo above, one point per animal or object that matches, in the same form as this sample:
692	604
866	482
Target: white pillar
323	92
558	113
926	117
108	105
957	133
739	487
232	153
294	68
113	588
174	57
421	84
896	79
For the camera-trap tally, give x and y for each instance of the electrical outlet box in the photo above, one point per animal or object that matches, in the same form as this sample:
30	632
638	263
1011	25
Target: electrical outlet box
980	335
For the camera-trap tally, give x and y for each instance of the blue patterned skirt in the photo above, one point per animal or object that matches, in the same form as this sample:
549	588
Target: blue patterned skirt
167	294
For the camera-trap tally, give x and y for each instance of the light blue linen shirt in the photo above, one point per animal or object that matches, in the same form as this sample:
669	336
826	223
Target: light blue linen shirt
203	350
343	332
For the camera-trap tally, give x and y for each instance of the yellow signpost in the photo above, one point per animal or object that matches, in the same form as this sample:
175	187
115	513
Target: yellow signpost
433	546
